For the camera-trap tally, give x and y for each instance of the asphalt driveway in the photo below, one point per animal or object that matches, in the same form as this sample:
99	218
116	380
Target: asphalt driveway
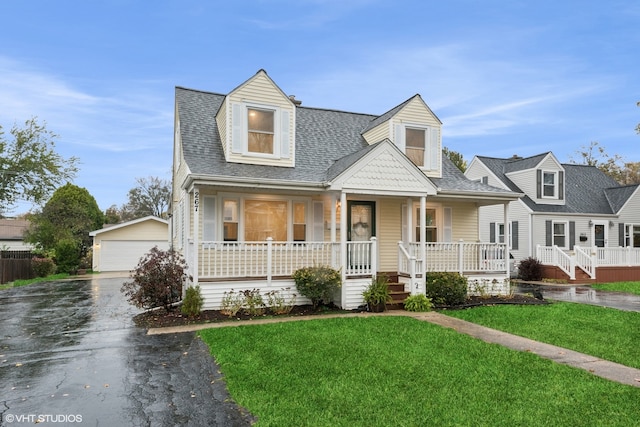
70	354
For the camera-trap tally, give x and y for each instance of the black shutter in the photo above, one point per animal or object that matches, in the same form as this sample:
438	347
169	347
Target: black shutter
621	240
539	183
548	235
561	185
514	235
572	234
492	232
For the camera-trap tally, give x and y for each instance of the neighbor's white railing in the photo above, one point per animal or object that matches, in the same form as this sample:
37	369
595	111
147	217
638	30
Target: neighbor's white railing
615	257
267	259
585	261
588	258
553	255
463	257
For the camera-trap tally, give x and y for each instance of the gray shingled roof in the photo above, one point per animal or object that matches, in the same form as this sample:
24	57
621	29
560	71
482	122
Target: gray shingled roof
587	189
327	143
618	196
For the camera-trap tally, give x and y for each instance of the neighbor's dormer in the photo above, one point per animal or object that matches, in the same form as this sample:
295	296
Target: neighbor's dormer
540	177
415	130
257	124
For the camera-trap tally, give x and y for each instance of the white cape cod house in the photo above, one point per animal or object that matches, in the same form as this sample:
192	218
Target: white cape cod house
263	185
573	218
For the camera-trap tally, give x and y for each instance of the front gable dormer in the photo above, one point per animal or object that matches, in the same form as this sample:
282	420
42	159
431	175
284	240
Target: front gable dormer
415	130
542	180
257	124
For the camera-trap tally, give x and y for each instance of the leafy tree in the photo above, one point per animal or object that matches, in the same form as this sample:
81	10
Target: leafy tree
70	214
30	168
150	197
595	155
112	215
456	158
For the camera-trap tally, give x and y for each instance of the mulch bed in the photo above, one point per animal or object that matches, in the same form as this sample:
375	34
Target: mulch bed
158	318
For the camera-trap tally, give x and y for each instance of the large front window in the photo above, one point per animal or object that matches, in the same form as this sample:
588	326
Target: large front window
265	218
260	130
431	227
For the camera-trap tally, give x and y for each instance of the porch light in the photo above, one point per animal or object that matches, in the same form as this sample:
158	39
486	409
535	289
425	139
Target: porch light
610	223
590	223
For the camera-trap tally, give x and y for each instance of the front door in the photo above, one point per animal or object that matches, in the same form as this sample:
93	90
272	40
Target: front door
600	238
361	223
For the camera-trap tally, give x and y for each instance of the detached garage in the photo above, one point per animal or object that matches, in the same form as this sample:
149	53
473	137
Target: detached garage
120	247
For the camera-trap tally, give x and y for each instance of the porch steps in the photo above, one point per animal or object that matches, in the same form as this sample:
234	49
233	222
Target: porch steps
396	289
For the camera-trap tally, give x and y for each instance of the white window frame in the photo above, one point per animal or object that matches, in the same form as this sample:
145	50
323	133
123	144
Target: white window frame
555	185
432	151
276	130
500	236
628	235
566	233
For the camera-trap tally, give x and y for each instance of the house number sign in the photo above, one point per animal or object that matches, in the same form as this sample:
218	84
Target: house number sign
196	200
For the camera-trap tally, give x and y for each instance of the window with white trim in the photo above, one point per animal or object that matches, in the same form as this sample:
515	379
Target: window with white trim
560	232
420	144
632	235
431	226
549	184
230	220
299	221
260	130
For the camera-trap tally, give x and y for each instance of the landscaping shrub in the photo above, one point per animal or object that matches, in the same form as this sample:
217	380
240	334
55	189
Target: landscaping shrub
67	256
253	302
232	303
417	302
446	288
192	302
278	303
157	280
530	269
317	283
42	267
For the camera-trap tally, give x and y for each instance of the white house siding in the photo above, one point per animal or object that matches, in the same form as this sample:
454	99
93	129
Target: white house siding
477	171
629	214
378	133
261	90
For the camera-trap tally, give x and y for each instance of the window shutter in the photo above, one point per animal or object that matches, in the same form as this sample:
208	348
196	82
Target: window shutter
572	234
434	153
318	221
447	225
561	185
492	232
514	235
485	180
399	138
285	143
405	232
548	226
209	219
621	235
539	184
237	128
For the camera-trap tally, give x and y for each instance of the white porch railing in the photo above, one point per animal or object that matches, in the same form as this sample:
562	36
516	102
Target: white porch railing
618	257
585	261
553	255
463	257
588	259
268	259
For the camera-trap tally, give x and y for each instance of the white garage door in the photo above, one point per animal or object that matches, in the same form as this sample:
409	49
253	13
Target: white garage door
123	255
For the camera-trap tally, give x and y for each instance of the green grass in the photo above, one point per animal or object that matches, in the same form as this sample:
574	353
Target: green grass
25	282
397	371
599	331
628	287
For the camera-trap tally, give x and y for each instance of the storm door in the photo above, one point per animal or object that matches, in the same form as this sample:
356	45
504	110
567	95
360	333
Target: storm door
361	222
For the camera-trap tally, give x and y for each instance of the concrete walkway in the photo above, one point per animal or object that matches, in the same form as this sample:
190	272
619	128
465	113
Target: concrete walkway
602	368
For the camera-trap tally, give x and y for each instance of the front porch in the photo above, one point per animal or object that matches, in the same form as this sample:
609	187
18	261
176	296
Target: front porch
590	264
219	267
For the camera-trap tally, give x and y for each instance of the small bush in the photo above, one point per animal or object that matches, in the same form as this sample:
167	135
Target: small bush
157	280
446	288
530	269
42	267
192	302
377	294
232	303
317	283
253	302
417	302
278	303
67	256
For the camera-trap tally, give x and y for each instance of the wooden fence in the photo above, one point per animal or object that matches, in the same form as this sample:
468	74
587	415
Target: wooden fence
15	265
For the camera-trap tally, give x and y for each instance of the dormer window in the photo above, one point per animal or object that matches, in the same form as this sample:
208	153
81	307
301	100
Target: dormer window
415	145
420	144
549	185
261	130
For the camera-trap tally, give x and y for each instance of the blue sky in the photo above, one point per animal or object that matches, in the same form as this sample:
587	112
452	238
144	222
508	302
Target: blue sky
504	77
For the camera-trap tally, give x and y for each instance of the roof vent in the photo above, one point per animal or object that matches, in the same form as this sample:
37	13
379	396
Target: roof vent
294	100
516	157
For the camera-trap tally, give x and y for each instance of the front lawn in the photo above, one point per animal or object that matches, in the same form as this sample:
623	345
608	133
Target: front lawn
24	282
599	331
382	371
628	287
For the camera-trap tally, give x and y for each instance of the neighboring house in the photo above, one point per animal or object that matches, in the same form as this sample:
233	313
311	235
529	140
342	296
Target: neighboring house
263	186
119	247
11	235
588	218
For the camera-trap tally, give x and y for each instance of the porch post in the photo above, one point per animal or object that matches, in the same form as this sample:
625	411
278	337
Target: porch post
334	206
422	285
409	221
196	237
269	260
343	247
507	239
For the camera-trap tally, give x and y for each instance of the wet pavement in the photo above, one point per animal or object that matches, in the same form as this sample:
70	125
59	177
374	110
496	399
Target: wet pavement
583	294
70	354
